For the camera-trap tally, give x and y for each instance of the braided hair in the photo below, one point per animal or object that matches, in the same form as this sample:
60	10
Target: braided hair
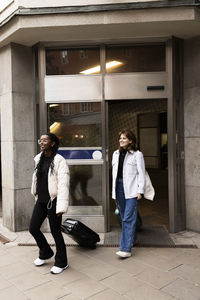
54	151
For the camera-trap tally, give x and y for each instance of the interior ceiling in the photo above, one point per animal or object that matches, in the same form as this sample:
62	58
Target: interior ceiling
104	33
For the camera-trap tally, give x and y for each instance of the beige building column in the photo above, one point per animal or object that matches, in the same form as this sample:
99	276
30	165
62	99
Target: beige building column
192	132
17	134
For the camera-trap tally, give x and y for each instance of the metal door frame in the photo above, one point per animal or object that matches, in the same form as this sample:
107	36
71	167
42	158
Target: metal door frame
176	181
176	175
175	127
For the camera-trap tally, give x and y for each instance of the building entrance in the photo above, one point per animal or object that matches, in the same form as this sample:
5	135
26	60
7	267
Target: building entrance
148	120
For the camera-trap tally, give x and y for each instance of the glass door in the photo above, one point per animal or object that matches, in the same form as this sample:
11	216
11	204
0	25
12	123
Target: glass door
147	118
78	126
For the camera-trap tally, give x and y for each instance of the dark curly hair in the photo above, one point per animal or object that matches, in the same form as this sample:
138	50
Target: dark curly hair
54	151
131	136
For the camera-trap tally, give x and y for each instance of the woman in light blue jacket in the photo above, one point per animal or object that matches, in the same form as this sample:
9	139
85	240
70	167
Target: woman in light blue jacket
128	171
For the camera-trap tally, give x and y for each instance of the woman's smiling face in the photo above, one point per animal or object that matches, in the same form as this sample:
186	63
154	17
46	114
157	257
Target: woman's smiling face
124	141
45	143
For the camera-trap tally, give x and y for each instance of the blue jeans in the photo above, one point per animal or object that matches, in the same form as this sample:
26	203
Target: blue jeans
128	210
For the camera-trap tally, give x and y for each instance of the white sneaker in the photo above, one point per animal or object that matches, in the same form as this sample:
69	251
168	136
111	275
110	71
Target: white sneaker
57	270
39	262
123	254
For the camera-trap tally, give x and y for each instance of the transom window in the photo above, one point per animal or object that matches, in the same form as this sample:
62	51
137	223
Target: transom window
119	59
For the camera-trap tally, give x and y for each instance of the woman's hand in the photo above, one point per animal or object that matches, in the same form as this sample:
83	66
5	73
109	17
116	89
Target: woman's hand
139	196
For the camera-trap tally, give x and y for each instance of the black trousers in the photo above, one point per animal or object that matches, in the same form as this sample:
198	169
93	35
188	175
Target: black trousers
40	212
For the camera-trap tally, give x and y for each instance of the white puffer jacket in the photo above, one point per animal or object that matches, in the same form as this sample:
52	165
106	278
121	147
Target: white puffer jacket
58	182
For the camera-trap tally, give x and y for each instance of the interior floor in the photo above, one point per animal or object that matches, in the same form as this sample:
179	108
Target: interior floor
152	212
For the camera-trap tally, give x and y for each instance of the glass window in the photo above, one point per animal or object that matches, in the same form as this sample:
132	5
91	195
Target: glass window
73	61
148	58
86	186
76	124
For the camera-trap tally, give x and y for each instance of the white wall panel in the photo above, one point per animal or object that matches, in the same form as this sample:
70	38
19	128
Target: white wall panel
134	86
73	88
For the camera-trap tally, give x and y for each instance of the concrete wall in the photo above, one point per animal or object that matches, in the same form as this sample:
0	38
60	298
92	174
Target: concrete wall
7	7
53	3
17	134
192	132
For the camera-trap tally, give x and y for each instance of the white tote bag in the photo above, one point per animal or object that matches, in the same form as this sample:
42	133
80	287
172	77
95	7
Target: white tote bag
149	191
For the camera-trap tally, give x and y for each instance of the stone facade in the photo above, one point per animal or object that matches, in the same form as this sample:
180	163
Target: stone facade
192	132
28	27
17	134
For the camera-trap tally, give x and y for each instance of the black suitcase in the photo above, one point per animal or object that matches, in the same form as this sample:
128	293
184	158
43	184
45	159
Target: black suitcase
80	233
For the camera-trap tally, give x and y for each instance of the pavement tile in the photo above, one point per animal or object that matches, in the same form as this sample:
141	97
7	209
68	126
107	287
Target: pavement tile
99	271
156	278
79	261
30	256
108	295
131	266
168	253
29	280
75	251
190	258
23	237
70	297
196	240
106	255
158	261
146	292
183	290
98	252
141	252
4	283
6	259
2	251
15	269
49	290
188	273
121	282
85	288
7	233
180	240
12	293
21	251
66	277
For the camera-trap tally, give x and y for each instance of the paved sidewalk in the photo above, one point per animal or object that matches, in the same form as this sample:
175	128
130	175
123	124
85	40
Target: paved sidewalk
151	273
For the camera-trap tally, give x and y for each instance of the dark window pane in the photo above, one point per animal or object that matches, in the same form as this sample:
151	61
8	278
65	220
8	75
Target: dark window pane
76	124
86	185
73	61
135	59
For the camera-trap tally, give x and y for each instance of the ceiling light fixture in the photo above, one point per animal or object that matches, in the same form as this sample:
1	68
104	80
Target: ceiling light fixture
109	65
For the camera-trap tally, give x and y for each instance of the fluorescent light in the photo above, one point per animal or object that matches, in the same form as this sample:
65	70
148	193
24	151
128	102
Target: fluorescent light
53	105
113	64
91	70
109	65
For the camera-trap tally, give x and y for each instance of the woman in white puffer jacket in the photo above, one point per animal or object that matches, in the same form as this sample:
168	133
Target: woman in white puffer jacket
50	187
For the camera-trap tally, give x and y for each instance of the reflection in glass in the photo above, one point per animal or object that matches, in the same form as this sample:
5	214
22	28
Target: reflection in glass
72	61
76	124
85	185
146	58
